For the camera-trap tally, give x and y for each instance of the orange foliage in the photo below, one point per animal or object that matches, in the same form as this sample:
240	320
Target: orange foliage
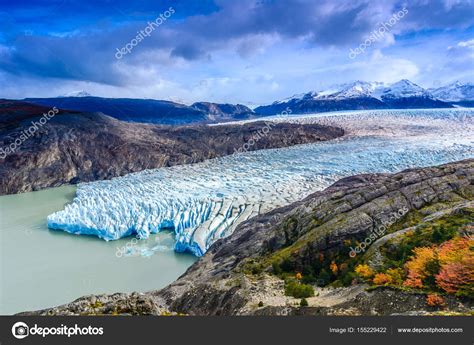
417	266
333	267
452	276
455	250
457	265
298	275
456	261
382	279
415	283
435	300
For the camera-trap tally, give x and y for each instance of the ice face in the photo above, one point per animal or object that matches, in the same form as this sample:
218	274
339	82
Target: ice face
204	202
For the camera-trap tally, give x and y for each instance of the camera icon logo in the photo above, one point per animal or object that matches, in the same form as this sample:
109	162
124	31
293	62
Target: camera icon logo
20	330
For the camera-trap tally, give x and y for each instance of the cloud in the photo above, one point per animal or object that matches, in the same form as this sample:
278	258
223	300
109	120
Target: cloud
75	42
461	58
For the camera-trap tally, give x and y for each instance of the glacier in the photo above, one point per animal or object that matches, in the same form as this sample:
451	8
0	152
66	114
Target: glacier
205	202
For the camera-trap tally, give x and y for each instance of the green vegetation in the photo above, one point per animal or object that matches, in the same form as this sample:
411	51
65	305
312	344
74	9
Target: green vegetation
297	289
434	258
396	252
417	259
304	302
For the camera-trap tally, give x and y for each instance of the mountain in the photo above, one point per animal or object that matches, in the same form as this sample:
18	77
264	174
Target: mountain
149	110
129	109
217	111
357	89
81	93
358	95
405	94
80	147
458	93
303	250
404	88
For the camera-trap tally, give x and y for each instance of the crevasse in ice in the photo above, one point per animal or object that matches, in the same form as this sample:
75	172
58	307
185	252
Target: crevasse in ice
206	201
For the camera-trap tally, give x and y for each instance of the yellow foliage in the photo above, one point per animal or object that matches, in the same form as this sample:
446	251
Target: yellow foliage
396	275
364	271
417	266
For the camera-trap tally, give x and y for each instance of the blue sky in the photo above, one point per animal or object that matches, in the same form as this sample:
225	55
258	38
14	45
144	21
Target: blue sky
242	51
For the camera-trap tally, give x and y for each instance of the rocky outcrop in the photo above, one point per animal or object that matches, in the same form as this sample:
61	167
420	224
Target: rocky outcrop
77	147
233	277
224	112
115	304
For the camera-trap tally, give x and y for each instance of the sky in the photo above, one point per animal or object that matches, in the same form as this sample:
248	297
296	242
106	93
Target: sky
229	51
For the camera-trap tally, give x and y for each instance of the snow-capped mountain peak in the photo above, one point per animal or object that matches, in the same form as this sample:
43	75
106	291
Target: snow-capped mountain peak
80	93
350	90
455	92
294	97
354	89
404	93
404	88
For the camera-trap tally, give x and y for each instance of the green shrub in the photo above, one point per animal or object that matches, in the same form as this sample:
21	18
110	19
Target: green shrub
324	277
288	265
256	269
441	234
276	268
304	302
308	279
347	278
298	290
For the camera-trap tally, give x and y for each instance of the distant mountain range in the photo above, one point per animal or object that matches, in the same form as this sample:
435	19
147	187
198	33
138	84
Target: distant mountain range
374	95
356	95
148	110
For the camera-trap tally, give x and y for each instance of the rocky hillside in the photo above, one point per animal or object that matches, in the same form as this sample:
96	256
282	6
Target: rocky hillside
75	147
223	112
309	258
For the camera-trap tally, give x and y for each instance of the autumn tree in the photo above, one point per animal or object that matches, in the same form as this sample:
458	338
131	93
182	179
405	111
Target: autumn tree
456	258
418	267
364	271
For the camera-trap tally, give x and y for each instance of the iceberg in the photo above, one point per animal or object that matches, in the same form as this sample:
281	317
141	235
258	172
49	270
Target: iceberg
205	202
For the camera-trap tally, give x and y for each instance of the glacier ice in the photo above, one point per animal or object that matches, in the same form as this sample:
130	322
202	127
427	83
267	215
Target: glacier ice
204	202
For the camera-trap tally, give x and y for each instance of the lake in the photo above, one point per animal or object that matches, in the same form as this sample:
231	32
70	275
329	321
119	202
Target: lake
41	267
